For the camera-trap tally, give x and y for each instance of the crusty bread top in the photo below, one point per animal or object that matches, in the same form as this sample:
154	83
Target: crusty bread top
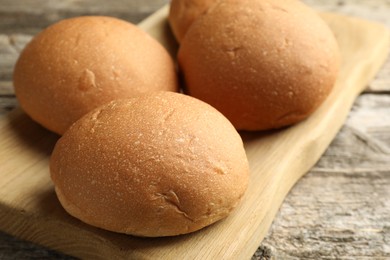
157	165
80	63
263	64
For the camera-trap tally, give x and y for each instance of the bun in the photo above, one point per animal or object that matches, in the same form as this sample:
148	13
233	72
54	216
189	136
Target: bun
157	165
80	63
263	64
183	13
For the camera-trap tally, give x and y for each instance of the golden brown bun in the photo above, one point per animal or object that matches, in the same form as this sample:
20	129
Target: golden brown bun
158	165
183	13
263	64
78	64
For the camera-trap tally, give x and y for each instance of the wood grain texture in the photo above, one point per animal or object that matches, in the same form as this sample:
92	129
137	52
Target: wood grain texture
288	238
346	215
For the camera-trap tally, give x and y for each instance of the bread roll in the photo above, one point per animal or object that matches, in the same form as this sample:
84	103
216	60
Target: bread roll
162	164
183	13
263	64
80	63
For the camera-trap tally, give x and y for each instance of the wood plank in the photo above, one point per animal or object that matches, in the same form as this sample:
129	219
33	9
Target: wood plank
29	209
347	215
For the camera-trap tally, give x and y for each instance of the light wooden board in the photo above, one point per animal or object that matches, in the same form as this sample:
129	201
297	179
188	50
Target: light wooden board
29	208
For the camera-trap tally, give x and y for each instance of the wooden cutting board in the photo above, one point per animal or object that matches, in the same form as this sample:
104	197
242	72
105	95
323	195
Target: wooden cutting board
30	210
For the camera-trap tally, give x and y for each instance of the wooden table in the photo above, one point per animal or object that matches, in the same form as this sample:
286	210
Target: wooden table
340	209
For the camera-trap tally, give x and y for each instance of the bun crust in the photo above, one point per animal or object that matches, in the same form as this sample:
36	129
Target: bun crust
158	165
80	63
263	64
183	13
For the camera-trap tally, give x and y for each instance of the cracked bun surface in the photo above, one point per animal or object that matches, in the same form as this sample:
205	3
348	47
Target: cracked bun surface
77	64
263	64
161	164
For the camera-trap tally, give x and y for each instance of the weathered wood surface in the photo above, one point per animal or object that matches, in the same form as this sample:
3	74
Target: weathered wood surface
341	209
338	210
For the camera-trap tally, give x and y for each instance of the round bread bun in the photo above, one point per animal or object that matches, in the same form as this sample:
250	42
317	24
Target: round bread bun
162	164
263	64
80	63
183	13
